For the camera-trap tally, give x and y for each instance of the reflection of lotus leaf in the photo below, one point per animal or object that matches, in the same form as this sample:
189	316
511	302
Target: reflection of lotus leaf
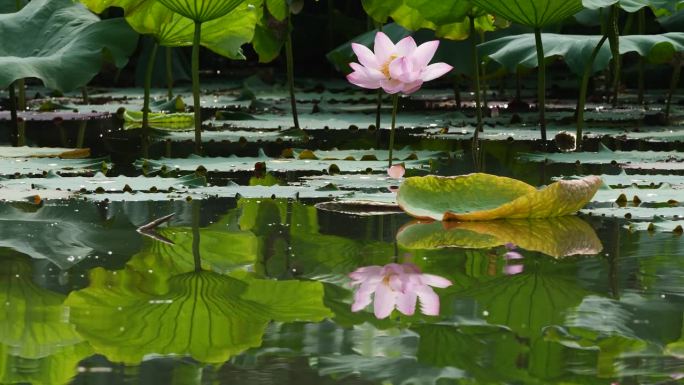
527	302
204	315
37	345
56	369
478	197
557	237
35	326
242	251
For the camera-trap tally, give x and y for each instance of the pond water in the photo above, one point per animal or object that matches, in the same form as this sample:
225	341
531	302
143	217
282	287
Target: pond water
256	291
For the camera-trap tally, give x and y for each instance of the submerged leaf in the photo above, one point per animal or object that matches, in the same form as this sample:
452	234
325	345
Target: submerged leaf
61	43
476	197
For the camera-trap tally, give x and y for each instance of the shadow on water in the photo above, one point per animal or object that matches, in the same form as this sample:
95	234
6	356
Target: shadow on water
256	291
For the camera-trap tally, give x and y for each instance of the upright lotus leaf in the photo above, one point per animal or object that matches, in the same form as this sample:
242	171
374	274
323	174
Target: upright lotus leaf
532	13
674	22
632	6
61	43
224	35
477	197
536	14
520	50
202	10
556	237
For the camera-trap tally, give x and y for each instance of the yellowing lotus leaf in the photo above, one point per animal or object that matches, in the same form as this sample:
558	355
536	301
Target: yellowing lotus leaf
483	197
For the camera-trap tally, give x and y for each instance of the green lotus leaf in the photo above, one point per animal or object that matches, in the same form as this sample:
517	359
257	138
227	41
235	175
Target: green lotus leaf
160	120
632	6
243	250
520	50
161	303
60	43
673	23
202	10
547	295
225	35
449	19
532	13
56	369
557	237
34	333
477	197
35	328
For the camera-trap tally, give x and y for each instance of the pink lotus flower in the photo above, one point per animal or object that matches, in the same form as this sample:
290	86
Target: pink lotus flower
396	68
512	255
396	171
396	286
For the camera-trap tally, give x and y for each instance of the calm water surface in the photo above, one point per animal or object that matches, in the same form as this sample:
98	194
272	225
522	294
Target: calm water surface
257	292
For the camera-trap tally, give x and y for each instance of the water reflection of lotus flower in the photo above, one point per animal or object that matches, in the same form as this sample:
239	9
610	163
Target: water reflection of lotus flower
396	286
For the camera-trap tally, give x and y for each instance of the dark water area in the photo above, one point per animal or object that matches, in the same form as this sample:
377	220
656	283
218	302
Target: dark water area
256	291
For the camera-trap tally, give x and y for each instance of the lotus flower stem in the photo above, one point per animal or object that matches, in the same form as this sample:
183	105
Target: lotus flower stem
290	72
84	95
541	83
614	39
378	109
642	61
146	100
169	73
196	87
196	211
676	74
13	114
395	108
582	100
476	81
148	85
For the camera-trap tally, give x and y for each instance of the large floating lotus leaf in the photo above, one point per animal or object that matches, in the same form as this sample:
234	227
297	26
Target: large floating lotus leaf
520	50
477	197
532	13
35	327
61	43
557	237
204	315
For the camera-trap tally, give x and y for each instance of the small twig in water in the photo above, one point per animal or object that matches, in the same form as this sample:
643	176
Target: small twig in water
150	229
